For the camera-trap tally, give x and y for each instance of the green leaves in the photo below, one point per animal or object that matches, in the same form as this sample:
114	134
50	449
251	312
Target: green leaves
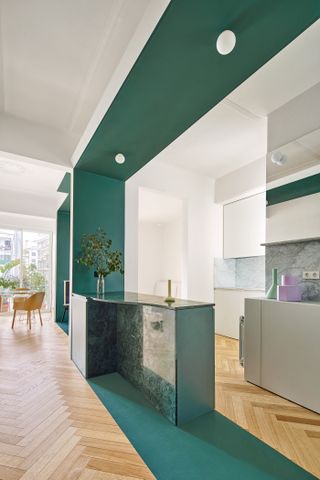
96	252
7	280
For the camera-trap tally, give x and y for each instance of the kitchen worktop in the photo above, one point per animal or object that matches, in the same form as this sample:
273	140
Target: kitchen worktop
243	289
135	298
303	302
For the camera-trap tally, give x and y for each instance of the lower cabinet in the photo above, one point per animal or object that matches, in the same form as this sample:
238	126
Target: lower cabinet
229	306
281	349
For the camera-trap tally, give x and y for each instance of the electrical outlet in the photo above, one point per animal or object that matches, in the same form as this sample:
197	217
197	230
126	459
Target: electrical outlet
311	275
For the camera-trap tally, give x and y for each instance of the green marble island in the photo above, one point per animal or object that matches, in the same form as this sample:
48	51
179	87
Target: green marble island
165	350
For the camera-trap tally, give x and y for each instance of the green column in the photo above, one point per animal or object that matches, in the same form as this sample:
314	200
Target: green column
63	258
98	201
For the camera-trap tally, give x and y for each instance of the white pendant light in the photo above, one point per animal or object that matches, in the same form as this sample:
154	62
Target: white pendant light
226	42
120	158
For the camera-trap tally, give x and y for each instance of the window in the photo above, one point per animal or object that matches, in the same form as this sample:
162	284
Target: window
25	261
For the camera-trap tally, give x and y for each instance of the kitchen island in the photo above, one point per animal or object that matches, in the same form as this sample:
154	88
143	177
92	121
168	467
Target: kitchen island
166	350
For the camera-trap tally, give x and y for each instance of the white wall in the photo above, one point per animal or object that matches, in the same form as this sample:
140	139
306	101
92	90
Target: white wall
13	220
160	256
29	204
197	193
244	227
240	183
294	119
150	256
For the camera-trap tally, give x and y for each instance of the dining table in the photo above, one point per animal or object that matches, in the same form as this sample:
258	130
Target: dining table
7	298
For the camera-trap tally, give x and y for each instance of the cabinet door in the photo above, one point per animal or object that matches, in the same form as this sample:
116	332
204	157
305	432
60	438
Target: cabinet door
290	353
244	227
229	306
79	332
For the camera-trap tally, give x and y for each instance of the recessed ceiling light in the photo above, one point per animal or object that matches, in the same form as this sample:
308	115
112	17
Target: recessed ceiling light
120	158
226	42
278	158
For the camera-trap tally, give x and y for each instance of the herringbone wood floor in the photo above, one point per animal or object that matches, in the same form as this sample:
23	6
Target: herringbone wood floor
292	430
52	425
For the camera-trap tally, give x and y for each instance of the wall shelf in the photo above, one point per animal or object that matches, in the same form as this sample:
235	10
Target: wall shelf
284	242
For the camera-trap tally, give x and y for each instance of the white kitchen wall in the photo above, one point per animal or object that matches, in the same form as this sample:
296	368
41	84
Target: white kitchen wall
240	183
244	227
197	194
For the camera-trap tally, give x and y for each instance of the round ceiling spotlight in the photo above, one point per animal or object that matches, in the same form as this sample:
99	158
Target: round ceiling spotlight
226	42
120	158
278	158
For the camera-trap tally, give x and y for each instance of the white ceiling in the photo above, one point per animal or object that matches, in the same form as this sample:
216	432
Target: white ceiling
57	60
293	71
58	56
223	140
158	207
234	133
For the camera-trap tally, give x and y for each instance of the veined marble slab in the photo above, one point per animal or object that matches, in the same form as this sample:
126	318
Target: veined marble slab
295	258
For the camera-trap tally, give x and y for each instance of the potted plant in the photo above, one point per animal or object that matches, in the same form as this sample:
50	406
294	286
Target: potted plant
96	253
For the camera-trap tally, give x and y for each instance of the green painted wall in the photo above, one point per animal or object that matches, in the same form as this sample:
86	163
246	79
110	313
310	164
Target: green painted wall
98	201
63	258
179	76
297	189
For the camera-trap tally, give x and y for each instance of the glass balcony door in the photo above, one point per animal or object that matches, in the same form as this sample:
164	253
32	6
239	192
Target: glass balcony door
25	262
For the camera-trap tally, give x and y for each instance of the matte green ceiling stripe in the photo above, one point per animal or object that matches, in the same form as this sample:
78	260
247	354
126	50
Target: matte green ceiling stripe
299	188
180	76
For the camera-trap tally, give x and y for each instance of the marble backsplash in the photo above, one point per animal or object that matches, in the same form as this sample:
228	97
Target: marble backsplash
246	272
295	258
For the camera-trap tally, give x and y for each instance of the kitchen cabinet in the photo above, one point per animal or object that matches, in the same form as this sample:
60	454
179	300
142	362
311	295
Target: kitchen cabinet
281	349
244	227
229	306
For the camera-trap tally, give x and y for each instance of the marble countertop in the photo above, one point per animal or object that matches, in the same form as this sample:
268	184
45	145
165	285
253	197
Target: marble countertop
303	302
144	299
248	289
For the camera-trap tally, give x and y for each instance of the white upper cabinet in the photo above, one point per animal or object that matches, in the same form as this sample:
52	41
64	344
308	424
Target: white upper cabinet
244	223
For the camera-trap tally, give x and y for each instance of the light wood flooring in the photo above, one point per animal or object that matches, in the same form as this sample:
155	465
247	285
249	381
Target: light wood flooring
52	425
292	430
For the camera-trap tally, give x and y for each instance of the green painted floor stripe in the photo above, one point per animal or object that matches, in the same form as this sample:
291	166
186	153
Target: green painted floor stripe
210	447
64	326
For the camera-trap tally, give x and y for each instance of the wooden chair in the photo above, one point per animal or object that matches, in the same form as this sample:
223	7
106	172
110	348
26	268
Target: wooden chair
32	303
